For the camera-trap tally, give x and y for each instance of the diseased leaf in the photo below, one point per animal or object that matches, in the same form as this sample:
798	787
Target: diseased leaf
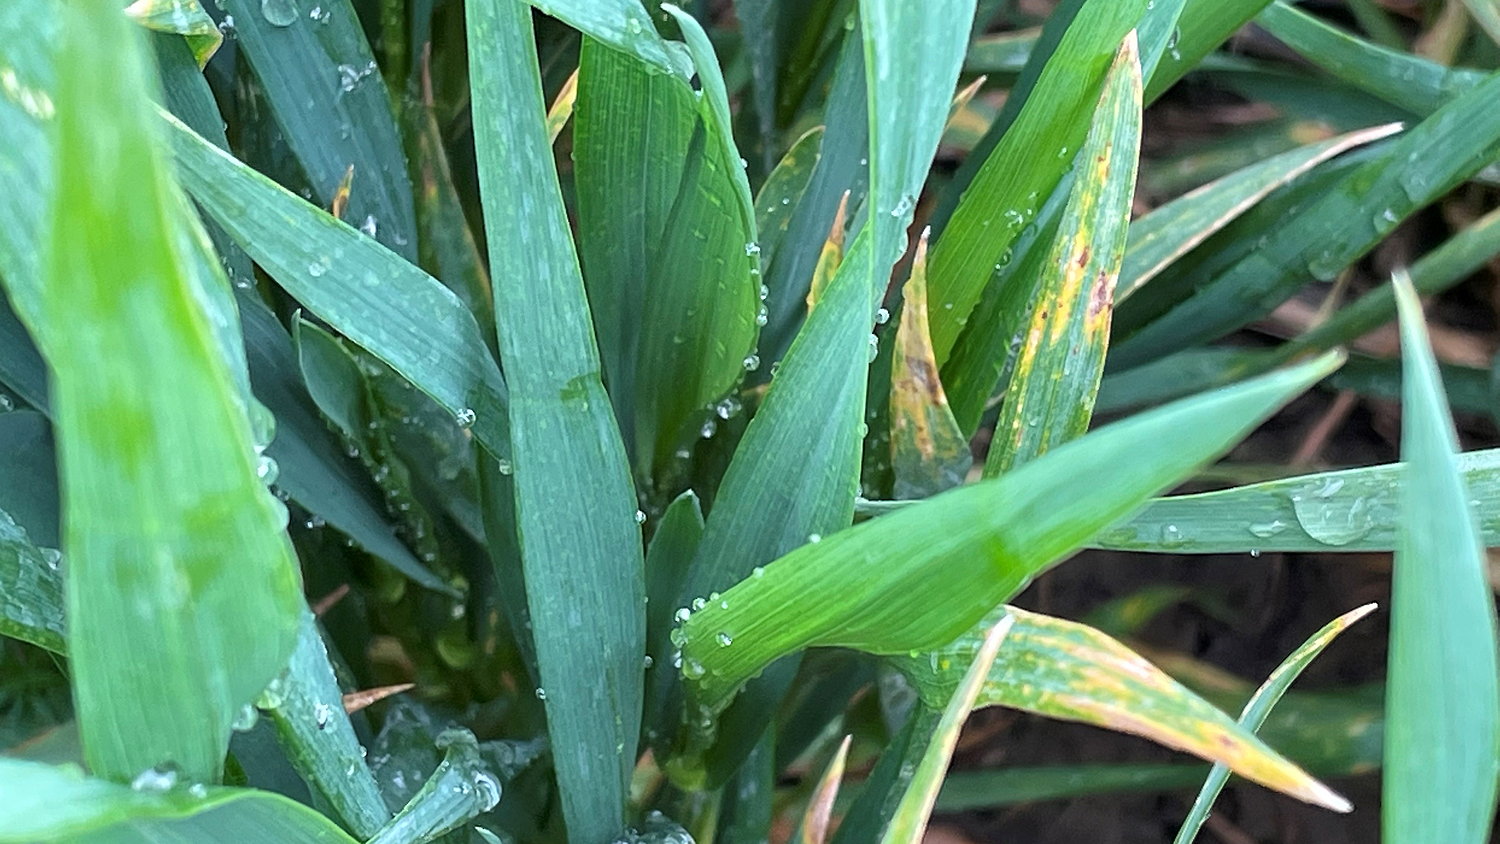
929	453
1050	397
1067	670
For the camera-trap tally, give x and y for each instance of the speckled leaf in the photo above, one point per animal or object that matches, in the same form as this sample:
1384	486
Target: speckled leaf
1063	669
1050	396
928	451
782	192
1025	166
31	589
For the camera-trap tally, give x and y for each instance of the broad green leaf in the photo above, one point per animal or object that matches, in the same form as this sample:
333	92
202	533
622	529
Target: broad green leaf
987	539
1260	706
1442	700
1336	228
31	592
624	25
461	788
819	811
1050	397
1414	83
1345	510
331	103
48	804
174	546
1172	230
582	561
390	308
306	705
909	823
1067	670
668	247
929	453
1025	166
181	17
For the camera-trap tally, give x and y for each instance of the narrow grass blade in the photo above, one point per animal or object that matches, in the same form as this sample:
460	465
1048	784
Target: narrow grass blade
1171	231
843	162
1050	397
910	821
461	788
624	25
562	108
667	559
390	308
583	563
1063	669
1201	28
882	792
48	804
160	586
819	812
1335	229
1442	702
1347	510
747	811
333	108
1000	533
783	190
1008	190
1414	83
306	705
965	791
1487	14
758	19
28	463
929	453
1260	706
31	589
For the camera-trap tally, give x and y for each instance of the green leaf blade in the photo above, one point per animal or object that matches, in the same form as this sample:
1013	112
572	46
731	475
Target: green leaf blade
1442	699
583	563
162	585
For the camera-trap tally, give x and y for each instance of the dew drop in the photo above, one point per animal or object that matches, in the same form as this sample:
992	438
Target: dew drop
541	693
640	517
723	639
466	417
278	12
752	363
